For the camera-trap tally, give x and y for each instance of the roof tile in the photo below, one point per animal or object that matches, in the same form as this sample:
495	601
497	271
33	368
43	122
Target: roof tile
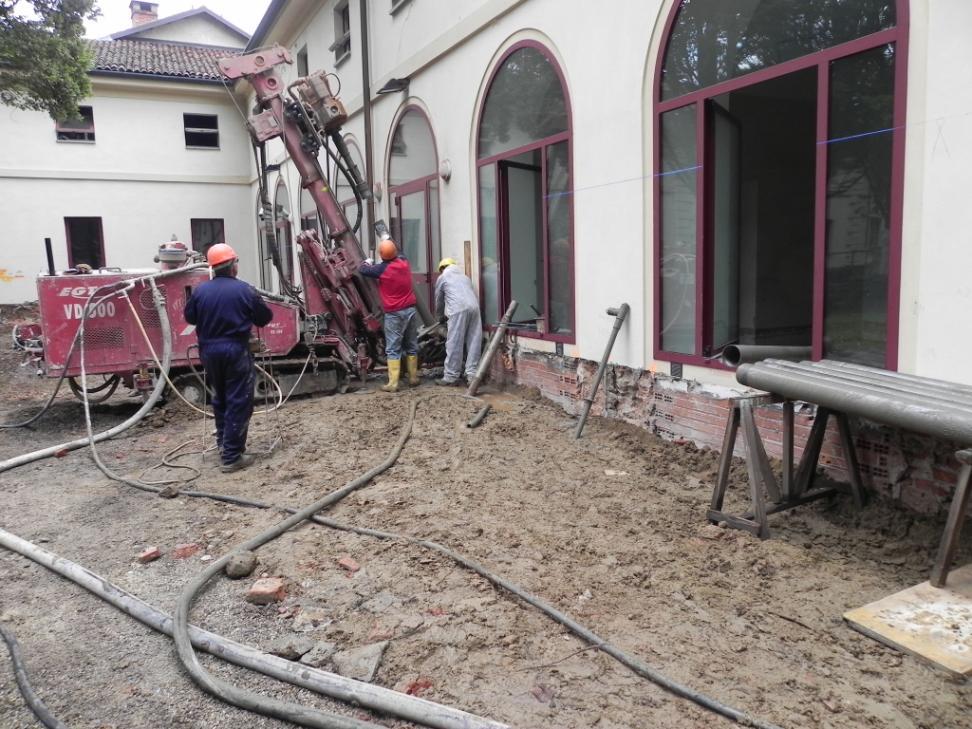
158	58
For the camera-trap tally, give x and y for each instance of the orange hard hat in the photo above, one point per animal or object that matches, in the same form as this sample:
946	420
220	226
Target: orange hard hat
387	249
219	254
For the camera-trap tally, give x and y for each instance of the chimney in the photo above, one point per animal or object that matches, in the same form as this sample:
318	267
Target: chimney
143	12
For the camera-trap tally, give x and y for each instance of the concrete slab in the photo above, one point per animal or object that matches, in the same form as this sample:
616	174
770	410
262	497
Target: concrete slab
927	622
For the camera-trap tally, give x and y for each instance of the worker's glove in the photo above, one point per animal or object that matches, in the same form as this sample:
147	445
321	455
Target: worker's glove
369	261
443	319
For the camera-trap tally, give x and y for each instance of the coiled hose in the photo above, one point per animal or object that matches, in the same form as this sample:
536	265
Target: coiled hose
241	697
34	703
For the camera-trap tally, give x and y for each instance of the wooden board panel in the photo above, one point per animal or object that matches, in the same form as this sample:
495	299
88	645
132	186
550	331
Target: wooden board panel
931	623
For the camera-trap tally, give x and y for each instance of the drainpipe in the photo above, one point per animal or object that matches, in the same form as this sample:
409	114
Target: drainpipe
366	94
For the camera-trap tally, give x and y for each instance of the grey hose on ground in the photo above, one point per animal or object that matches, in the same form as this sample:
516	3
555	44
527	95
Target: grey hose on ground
295	713
33	701
328	684
479	417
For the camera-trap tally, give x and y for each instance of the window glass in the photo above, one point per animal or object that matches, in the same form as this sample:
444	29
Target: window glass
859	206
717	40
678	223
522	186
558	236
281	217
308	212
206	232
79	129
412	149
489	243
202	130
85	242
525	103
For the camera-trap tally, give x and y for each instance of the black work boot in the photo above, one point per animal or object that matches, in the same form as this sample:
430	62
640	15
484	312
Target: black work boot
239	464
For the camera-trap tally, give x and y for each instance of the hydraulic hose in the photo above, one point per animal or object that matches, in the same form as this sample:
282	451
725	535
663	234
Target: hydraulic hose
33	701
376	698
295	713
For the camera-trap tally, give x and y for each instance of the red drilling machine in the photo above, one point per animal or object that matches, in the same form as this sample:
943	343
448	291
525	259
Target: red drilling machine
323	333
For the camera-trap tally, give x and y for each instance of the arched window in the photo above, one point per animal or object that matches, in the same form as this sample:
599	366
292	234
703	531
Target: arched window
525	202
266	262
344	193
309	219
778	174
413	189
281	222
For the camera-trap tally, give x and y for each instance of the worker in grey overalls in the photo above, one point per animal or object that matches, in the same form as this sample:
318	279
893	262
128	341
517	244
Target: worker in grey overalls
455	299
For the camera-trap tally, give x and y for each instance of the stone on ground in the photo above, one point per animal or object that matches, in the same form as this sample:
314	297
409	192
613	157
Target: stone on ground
360	663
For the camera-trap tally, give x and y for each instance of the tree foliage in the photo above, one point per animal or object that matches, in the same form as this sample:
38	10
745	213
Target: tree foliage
44	60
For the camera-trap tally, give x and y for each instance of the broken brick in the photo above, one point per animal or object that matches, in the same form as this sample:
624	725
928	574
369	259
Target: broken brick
185	551
416	687
150	555
349	564
267	590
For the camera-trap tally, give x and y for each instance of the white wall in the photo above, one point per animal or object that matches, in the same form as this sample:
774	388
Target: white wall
448	51
138	177
199	29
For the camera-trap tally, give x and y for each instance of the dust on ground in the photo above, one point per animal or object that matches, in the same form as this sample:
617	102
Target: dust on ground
609	529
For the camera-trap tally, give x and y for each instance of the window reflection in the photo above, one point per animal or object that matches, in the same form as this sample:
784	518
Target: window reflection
717	40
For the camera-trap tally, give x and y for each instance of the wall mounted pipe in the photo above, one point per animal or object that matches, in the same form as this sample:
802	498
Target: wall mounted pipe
737	354
898	410
619	314
491	350
324	683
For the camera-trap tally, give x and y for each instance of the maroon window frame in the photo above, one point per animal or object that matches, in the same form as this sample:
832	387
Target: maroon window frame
101	239
433	247
503	286
897	36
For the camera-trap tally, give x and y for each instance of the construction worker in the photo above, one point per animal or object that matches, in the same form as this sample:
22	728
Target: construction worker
401	320
224	311
455	299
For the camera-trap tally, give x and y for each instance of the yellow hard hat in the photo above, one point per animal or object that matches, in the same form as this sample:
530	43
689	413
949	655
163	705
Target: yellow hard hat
446	262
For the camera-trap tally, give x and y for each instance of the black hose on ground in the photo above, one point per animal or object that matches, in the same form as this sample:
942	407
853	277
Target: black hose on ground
34	703
241	697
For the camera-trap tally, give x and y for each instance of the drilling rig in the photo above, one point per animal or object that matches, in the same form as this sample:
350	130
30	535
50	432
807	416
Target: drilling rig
334	318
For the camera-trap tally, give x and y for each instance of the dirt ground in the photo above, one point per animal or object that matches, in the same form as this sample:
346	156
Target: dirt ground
609	529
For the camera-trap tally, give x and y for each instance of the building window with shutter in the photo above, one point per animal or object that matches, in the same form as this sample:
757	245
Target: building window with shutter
202	131
342	32
79	129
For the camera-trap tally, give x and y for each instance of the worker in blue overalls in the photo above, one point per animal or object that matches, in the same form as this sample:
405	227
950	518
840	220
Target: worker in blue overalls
224	310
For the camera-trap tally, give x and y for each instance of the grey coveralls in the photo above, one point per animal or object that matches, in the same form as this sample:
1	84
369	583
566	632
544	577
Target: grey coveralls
455	297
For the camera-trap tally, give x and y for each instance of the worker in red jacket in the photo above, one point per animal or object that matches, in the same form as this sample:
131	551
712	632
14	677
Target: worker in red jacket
224	310
401	320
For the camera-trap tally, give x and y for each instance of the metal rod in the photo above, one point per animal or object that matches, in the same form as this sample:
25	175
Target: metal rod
898	375
479	417
898	410
926	395
494	343
50	257
619	314
737	354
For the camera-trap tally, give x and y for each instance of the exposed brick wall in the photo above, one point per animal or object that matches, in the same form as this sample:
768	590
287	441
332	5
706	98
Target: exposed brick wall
917	471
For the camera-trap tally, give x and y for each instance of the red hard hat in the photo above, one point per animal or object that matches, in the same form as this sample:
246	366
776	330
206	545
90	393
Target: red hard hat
219	254
387	249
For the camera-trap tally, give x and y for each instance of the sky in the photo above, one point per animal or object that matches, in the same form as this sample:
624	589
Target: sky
116	16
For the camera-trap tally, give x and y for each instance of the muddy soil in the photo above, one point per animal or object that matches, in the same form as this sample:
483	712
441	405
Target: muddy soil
609	529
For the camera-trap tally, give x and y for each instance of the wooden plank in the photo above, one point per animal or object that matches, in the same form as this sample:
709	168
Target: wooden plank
735	522
752	466
811	453
925	621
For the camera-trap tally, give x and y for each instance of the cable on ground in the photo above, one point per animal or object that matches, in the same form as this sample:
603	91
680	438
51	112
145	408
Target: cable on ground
33	701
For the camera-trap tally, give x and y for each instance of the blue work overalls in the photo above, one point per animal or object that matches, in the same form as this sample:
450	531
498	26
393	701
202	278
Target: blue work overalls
224	310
